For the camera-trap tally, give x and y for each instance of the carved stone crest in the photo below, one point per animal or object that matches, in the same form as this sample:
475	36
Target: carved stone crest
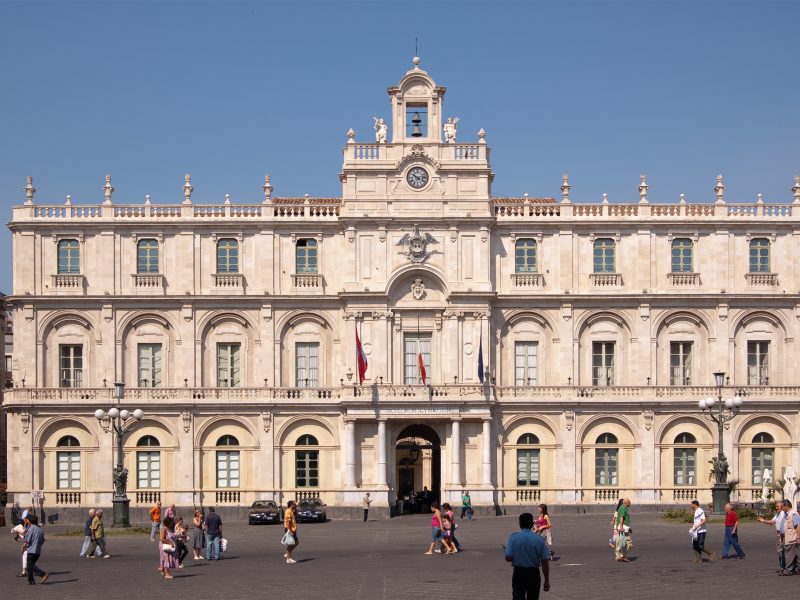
416	245
418	289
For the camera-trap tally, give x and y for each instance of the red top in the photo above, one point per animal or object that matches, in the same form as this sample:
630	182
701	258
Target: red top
731	518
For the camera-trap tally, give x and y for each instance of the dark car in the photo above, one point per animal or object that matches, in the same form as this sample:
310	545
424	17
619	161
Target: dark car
264	511
311	509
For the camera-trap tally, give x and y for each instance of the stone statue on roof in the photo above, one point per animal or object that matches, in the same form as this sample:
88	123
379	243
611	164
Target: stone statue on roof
450	130
381	130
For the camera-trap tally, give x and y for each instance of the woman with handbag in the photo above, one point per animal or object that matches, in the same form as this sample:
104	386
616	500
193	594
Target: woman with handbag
290	539
167	548
543	526
436	528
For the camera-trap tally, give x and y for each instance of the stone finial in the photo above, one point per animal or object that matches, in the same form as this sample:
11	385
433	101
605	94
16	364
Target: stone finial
719	190
68	201
227	198
605	198
29	190
108	190
796	189
187	189
416	60
760	199
481	136
351	136
267	187
565	187
643	189
682	201
147	200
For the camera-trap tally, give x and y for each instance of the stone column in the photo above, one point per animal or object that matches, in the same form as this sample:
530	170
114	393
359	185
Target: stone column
456	453
381	474
487	452
350	454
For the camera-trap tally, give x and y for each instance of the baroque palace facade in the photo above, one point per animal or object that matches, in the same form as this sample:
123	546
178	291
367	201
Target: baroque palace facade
233	327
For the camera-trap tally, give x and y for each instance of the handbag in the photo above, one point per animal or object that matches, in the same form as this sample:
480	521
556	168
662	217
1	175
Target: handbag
288	539
223	544
168	548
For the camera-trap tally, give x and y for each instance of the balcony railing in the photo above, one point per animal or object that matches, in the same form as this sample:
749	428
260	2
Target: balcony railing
228	280
148	281
527	280
683	279
304	281
761	279
69	282
606	279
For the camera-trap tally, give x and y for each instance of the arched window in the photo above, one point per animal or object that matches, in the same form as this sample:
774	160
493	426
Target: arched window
763	458
605	461
759	255
306	463
528	465
68	464
306	256
228	256
682	250
525	256
147	256
69	257
604	256
228	463
148	463
685	461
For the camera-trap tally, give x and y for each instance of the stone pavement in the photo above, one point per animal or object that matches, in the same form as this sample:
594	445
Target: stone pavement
384	560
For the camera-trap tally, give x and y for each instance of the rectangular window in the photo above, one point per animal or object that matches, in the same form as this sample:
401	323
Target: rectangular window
69	470
525	256
604	256
414	344
148	469
70	365
527	467
682	255
762	459
228	365
759	255
685	466
307	468
227	468
149	365
680	363
757	363
147	256
525	363
602	364
306	364
227	256
605	466
306	256
69	257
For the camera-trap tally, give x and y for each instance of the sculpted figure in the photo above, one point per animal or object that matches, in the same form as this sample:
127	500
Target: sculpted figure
381	130
450	130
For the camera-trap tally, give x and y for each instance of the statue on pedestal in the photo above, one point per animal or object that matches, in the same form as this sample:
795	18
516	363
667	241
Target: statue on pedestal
381	130
120	482
450	130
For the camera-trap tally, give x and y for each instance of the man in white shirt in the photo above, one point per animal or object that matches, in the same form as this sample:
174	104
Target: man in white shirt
699	533
779	520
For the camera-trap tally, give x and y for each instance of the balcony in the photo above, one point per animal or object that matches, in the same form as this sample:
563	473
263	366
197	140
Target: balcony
606	279
69	283
683	279
527	280
228	281
761	279
148	282
307	282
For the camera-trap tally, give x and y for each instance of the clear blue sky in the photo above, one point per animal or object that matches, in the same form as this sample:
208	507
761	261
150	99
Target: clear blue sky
229	91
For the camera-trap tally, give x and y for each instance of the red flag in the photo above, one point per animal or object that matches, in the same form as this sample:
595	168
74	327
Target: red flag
422	373
361	360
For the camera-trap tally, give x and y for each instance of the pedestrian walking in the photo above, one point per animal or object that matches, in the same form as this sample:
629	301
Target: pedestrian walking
198	538
172	513
290	527
34	540
698	532
448	512
213	529
167	548
436	528
612	541
155	517
365	502
447	535
623	526
527	552
779	521
19	536
731	534
466	505
180	541
87	534
790	539
543	526
98	533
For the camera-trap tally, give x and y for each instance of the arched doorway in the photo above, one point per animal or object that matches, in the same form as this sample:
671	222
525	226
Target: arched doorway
418	457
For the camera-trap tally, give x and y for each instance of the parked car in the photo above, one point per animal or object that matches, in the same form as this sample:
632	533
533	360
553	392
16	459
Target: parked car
264	511
311	509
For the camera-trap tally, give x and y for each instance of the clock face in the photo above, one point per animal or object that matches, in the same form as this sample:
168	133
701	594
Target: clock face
417	178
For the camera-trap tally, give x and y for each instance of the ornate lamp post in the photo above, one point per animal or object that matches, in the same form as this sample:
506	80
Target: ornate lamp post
725	412
118	416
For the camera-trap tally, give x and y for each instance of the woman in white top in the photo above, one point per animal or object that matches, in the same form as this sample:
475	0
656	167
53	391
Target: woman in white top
698	532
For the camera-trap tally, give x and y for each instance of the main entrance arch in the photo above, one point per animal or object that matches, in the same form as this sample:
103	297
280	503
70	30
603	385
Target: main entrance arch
418	463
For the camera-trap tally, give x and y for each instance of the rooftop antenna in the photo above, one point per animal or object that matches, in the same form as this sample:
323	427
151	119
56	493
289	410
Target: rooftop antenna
416	47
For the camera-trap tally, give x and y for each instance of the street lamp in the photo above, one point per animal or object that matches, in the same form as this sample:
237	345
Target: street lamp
118	416
726	410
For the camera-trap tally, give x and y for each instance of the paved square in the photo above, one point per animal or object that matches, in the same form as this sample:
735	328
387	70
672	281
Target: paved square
384	560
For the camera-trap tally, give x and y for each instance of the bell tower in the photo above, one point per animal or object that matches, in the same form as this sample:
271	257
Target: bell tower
416	108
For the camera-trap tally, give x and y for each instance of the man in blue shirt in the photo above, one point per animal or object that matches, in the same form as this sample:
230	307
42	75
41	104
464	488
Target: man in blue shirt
526	551
34	540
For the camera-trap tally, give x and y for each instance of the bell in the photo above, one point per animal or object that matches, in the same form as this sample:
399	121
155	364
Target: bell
416	131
